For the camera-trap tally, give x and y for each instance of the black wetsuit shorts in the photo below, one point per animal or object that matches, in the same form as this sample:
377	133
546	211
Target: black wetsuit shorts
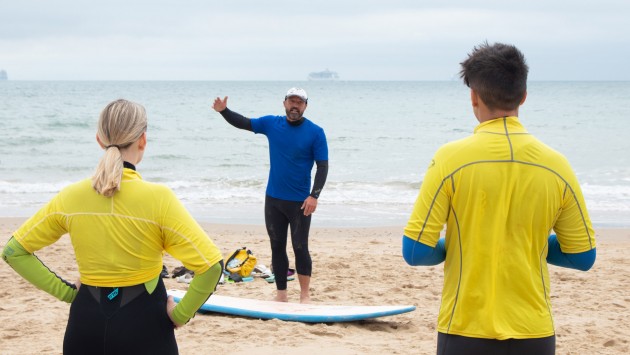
124	320
449	344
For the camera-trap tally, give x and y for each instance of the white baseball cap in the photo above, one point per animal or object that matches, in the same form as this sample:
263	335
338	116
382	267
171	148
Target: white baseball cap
297	92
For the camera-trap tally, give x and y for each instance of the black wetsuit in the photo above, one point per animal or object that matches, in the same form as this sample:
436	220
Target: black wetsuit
449	344
103	319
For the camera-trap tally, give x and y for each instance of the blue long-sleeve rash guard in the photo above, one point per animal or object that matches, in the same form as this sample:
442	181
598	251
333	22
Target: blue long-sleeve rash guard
579	261
416	253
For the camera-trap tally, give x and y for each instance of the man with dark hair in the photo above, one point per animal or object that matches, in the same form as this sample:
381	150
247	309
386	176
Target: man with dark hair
500	193
295	144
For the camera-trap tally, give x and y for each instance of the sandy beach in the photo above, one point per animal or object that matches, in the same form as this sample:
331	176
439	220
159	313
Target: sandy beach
351	266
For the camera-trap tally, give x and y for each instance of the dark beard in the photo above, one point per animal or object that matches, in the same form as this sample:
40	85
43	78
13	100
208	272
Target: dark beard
294	116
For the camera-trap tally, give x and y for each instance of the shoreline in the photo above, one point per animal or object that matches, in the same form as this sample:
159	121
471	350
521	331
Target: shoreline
321	223
351	266
610	233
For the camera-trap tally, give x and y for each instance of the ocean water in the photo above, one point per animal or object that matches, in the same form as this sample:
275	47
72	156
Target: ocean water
381	137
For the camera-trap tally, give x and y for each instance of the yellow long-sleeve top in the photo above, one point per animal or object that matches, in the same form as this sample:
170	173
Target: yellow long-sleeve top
500	193
119	241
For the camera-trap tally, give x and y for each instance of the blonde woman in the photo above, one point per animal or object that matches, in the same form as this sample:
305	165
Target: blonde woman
119	226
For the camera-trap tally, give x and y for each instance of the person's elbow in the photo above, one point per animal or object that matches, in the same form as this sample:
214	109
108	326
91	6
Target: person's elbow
409	252
6	255
418	254
587	260
408	257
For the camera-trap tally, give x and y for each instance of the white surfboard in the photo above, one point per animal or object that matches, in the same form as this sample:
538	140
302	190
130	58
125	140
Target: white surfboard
296	312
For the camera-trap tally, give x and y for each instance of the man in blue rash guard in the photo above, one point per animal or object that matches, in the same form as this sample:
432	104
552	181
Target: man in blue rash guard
295	143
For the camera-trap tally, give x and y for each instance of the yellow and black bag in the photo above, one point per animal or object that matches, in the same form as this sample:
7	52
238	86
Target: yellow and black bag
242	262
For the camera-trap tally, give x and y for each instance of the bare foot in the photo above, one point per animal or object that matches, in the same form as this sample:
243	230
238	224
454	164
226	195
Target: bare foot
281	296
305	299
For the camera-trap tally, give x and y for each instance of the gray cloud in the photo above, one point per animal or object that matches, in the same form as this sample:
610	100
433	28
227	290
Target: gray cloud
284	40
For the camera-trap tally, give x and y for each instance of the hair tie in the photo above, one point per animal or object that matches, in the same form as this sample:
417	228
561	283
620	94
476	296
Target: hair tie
112	145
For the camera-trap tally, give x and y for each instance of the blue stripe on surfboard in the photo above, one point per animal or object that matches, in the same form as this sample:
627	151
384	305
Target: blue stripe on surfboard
305	318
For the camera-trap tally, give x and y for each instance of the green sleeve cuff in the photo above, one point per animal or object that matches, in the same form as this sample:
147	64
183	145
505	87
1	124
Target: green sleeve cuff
201	287
34	271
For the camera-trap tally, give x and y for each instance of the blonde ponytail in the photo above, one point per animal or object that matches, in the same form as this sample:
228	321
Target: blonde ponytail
121	123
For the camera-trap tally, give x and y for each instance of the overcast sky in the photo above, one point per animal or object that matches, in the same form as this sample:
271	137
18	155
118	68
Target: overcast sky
285	40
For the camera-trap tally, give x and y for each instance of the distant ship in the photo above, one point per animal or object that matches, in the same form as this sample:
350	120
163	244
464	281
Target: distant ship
324	75
3	75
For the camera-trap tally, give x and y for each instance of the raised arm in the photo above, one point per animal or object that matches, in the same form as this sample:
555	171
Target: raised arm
235	119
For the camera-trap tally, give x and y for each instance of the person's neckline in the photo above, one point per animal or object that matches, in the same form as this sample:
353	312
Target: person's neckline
296	123
128	165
